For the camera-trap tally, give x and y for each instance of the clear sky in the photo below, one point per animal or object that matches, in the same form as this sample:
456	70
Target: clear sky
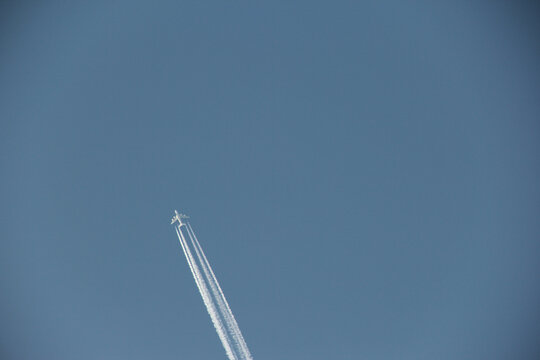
363	176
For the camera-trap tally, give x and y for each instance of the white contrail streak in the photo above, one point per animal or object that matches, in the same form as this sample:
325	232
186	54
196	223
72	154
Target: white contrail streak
203	289
213	287
214	299
232	325
224	311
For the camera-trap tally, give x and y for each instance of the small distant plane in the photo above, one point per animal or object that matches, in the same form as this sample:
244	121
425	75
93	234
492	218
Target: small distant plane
178	217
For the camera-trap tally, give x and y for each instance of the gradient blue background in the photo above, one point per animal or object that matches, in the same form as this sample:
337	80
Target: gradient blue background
363	176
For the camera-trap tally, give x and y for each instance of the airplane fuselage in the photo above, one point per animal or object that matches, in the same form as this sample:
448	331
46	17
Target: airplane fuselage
179	217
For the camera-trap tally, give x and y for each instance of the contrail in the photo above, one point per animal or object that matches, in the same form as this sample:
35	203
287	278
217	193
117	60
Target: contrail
212	283
213	297
220	297
210	306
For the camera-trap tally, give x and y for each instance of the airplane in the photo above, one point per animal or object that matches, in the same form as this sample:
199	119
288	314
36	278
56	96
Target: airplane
178	217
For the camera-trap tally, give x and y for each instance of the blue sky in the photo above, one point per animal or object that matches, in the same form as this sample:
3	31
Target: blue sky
363	177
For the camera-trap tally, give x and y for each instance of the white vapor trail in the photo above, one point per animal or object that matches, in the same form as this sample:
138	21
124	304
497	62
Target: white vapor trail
207	299
212	283
223	305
